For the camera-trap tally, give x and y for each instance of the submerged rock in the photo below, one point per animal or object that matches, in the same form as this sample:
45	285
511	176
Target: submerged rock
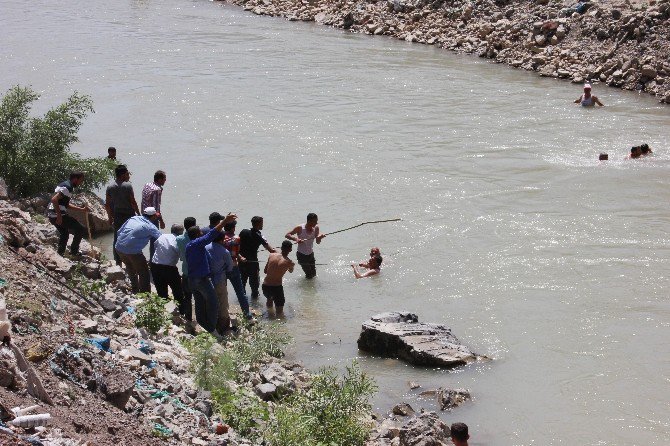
401	335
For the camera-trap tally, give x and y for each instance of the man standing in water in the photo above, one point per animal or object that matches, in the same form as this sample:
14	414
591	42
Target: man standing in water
587	99
250	241
304	236
275	269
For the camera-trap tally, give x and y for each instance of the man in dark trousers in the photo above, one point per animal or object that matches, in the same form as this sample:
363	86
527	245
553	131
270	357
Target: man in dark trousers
120	203
58	216
304	236
250	240
164	264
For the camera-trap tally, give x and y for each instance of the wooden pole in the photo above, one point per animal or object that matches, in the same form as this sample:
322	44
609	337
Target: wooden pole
88	227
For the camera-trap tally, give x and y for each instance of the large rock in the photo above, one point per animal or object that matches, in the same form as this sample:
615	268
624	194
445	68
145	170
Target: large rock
425	429
97	218
401	335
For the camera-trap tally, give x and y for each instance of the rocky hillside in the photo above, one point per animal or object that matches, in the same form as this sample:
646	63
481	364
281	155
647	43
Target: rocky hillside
620	43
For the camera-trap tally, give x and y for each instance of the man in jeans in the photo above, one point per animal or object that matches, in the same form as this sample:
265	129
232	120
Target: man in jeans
199	274
232	244
186	305
58	216
120	202
250	241
133	237
164	264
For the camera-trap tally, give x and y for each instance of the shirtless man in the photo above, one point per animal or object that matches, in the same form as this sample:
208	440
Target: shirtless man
304	236
373	253
587	99
373	267
274	271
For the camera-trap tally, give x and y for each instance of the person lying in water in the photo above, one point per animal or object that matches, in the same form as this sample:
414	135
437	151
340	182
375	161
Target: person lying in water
587	99
373	267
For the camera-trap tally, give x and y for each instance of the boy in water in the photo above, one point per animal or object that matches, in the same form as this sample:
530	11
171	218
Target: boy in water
459	434
274	271
304	236
373	267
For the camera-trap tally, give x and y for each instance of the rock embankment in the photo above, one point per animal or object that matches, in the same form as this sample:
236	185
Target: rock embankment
621	43
401	335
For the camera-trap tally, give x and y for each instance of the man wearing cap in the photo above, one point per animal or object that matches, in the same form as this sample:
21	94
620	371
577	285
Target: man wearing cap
120	202
273	288
164	264
132	238
587	99
200	272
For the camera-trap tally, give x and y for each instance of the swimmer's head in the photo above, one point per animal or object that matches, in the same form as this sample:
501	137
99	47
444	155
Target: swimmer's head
378	259
374	252
644	148
635	152
603	157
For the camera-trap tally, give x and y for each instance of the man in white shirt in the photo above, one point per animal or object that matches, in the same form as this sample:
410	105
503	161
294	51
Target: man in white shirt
164	264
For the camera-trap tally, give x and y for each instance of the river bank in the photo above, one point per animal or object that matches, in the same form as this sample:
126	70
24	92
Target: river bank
620	44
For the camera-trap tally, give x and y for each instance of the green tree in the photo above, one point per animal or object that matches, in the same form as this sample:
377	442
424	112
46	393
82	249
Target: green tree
35	151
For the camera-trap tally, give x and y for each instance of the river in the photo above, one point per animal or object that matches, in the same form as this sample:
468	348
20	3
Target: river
512	234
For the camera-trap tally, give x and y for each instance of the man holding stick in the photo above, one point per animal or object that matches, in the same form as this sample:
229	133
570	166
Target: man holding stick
304	236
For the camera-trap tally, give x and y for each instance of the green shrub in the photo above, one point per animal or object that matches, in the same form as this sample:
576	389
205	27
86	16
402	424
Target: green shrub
333	411
151	313
35	152
242	410
86	286
212	367
258	342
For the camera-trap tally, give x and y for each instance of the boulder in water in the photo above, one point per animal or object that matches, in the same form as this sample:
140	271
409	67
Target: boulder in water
401	335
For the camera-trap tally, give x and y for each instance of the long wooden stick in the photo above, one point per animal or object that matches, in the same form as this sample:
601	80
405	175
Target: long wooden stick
364	223
88	227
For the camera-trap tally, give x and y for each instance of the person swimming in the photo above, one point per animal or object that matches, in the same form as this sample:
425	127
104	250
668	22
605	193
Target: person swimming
587	99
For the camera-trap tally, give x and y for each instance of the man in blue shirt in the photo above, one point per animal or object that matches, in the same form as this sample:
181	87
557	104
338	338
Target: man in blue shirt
186	304
221	264
199	274
132	238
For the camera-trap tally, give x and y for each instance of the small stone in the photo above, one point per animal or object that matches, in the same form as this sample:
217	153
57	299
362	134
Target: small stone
89	326
648	72
114	273
265	391
402	409
413	385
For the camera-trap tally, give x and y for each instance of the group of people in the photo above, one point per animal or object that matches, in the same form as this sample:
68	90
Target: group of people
635	152
210	257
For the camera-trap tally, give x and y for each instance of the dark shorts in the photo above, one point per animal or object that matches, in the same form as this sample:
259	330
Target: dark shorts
275	294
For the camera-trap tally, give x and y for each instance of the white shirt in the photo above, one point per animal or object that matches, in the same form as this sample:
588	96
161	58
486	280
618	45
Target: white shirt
307	247
166	251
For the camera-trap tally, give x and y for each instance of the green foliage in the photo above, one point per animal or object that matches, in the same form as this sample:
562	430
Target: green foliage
85	285
333	411
257	342
35	152
242	410
211	366
151	313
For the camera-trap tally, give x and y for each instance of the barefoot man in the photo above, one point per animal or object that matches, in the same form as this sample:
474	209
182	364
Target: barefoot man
274	271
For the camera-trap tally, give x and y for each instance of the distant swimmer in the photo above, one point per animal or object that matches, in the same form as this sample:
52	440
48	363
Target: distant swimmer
304	236
603	157
635	152
587	99
645	149
373	267
273	288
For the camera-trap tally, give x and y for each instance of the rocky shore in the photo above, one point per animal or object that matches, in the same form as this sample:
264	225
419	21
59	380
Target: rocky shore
621	43
82	371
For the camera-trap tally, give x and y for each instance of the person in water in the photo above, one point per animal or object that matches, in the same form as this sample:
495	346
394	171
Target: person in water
277	265
645	150
459	434
373	267
587	99
304	236
373	253
635	152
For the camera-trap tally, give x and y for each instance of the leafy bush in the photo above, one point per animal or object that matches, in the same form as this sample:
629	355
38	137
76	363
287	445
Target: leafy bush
212	367
333	411
151	313
242	410
35	152
257	342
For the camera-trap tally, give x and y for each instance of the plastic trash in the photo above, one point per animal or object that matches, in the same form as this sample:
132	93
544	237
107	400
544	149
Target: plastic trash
17	411
42	419
101	343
